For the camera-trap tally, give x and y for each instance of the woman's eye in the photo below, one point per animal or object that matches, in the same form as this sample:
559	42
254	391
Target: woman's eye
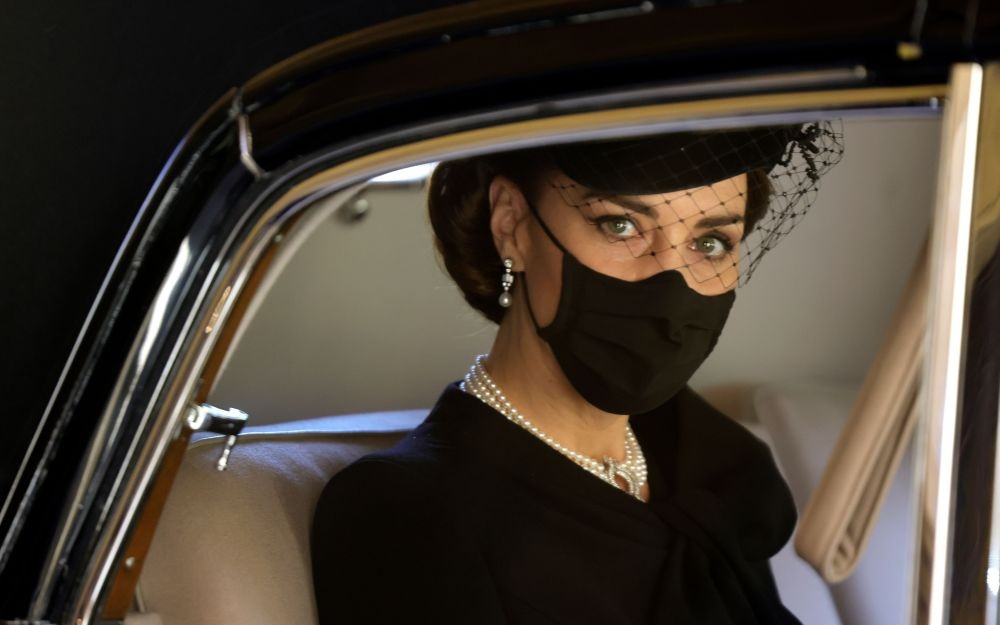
620	227
711	246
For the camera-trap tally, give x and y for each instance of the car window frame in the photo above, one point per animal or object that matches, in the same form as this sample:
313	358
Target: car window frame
279	196
272	209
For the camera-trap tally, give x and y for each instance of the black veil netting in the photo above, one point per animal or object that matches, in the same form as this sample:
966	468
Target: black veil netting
712	202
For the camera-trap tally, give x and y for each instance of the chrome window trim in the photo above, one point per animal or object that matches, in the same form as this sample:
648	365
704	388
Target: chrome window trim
984	250
945	340
231	270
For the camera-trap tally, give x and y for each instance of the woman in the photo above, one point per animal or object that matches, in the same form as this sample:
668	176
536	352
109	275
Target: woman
572	477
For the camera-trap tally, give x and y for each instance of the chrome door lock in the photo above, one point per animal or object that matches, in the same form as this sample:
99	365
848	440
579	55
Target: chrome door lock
208	418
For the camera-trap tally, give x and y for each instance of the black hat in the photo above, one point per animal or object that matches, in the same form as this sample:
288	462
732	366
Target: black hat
791	159
670	162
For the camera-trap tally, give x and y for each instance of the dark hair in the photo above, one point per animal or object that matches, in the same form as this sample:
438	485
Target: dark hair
459	207
759	190
458	203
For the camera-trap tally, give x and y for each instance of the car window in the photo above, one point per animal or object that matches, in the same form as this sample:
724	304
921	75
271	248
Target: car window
366	292
363	318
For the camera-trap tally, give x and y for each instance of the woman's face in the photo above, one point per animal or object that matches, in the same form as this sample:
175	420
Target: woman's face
694	231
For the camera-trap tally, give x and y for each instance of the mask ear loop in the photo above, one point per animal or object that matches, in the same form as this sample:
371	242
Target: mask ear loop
545	228
524	275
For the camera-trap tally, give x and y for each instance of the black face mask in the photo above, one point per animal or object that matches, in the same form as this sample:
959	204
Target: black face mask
628	347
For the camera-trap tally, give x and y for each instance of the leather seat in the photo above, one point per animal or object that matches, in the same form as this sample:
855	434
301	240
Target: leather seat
803	421
232	547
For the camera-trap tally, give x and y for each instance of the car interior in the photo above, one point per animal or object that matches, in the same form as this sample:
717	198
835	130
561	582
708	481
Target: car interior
356	328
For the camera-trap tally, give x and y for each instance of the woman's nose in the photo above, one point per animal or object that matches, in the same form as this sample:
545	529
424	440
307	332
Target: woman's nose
670	245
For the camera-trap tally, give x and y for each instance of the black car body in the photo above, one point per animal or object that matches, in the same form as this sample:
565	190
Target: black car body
89	421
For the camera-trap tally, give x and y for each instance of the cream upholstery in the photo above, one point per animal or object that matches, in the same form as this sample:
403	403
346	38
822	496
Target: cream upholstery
136	618
843	509
232	548
803	421
802	590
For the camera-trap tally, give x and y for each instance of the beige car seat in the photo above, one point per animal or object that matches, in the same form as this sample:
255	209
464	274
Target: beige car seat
232	547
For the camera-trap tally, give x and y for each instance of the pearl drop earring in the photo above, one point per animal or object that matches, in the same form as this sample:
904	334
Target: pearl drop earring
506	281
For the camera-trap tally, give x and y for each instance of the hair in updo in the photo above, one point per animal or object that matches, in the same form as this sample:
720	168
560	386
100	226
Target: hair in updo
459	207
759	191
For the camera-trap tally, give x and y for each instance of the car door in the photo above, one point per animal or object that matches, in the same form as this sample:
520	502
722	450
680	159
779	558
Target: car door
416	90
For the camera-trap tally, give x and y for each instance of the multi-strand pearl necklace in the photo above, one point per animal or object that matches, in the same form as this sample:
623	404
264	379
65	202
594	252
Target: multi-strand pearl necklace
632	471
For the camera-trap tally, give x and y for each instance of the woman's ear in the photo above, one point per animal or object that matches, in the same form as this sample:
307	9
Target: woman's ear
508	210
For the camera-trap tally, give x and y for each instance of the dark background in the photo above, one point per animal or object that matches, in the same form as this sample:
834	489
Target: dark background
94	97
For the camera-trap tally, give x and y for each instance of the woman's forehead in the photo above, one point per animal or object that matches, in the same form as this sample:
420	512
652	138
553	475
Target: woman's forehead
725	196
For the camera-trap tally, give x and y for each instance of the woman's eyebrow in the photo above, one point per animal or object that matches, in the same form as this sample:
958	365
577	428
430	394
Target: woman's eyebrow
624	202
719	220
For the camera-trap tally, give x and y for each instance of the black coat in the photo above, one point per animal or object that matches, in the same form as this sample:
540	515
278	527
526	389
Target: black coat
472	519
